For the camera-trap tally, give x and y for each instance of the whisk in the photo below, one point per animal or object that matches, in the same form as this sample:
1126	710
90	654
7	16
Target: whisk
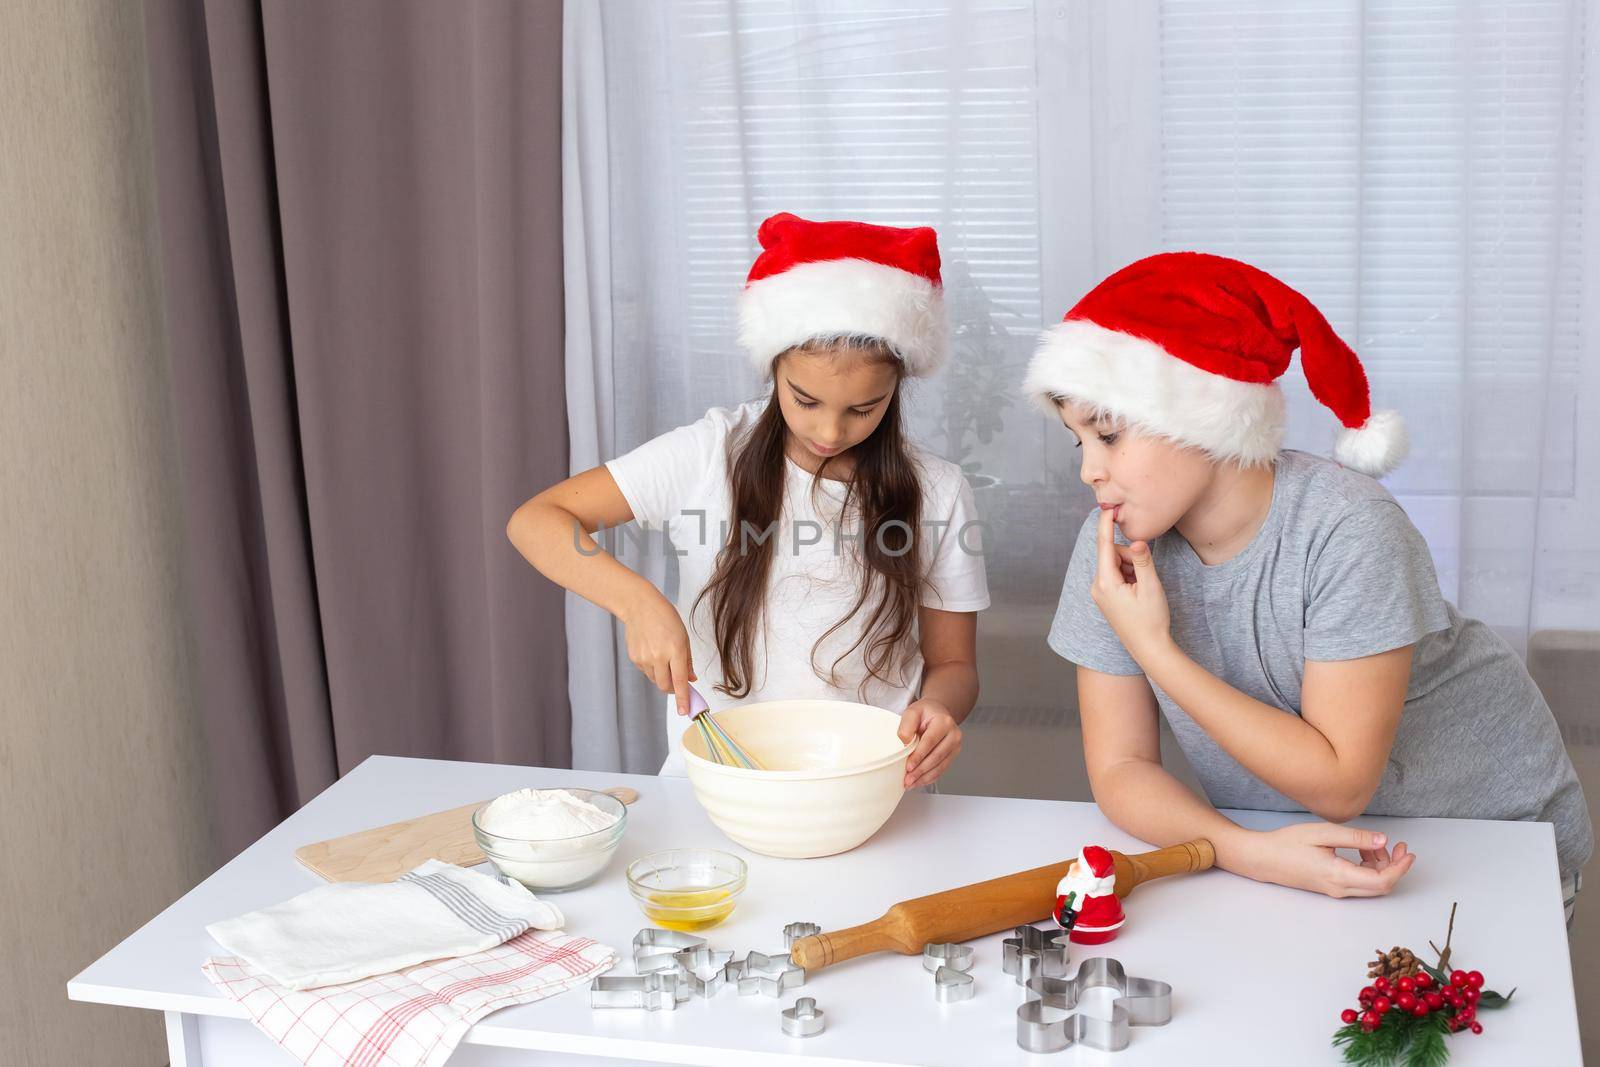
720	745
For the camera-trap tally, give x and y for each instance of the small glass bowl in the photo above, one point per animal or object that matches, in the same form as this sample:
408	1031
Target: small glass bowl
559	864
687	888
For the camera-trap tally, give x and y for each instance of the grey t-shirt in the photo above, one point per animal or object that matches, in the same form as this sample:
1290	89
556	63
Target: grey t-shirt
1337	571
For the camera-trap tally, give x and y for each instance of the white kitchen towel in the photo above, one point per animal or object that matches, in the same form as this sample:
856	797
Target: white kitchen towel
345	931
414	1018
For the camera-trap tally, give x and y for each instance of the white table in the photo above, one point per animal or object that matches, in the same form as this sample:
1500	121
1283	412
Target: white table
1232	949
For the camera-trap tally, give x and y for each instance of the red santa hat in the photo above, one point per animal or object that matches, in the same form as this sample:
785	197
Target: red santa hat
1189	346
1098	861
833	281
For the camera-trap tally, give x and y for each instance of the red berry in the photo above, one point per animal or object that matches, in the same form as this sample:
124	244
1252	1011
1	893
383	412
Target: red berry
1381	985
1407	984
1474	979
1433	1000
1382	1005
1466	1015
1347	1016
1419	1009
1424	980
1453	998
1477	1028
1458	978
1406	1001
1370	1020
1367	993
1470	995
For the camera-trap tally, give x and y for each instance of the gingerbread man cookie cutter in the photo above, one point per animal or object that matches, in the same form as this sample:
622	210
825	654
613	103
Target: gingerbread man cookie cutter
1033	953
1051	1019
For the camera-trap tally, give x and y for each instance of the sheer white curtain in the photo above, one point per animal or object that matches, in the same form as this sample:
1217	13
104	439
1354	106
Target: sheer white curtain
1420	171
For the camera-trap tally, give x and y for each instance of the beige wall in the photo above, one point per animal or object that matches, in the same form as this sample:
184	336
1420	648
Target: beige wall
101	799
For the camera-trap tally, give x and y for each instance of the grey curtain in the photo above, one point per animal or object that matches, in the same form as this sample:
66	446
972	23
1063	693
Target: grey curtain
360	213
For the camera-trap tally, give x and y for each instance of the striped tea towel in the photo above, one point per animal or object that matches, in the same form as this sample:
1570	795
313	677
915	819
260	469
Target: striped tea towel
413	1018
345	931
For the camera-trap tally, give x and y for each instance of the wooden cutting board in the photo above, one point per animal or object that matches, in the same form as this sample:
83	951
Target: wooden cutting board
384	853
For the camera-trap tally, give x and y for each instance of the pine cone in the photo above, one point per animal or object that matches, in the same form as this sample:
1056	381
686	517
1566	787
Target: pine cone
1395	964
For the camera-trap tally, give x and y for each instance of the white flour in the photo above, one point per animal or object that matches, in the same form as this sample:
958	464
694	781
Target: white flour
550	846
544	815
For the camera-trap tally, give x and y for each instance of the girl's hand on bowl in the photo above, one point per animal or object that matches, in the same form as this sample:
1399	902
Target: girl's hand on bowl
938	740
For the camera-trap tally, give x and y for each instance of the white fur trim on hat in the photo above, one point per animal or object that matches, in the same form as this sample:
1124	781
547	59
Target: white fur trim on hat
844	298
1377	447
1138	381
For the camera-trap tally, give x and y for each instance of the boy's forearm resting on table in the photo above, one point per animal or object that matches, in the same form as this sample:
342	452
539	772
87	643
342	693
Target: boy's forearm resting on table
1144	799
1282	749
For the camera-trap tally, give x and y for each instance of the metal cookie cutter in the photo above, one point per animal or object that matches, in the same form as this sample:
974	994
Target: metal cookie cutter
702	969
771	976
951	985
662	991
805	1019
1050	1020
1034	953
944	954
795	931
653	949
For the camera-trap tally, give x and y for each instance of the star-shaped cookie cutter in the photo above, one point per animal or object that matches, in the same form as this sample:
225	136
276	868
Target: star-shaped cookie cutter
653	949
661	991
1051	1020
1033	953
944	954
771	976
702	969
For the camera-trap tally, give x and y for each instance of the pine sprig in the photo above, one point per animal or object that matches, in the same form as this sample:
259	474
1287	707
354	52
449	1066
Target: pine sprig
1427	1048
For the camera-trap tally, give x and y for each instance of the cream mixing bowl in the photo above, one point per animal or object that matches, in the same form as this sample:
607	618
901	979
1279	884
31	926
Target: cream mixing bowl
833	773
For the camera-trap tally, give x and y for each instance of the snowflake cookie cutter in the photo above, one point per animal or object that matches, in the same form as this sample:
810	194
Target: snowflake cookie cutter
659	991
1051	1020
945	954
805	1019
1033	953
771	976
654	950
795	931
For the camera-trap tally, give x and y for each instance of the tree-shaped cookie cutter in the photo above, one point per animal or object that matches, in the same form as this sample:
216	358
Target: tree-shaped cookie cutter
1051	1019
1033	953
703	969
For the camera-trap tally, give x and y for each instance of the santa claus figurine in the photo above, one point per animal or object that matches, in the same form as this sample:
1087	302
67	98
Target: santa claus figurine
1086	901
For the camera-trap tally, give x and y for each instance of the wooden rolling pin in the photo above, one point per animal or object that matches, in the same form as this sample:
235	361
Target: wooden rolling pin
986	907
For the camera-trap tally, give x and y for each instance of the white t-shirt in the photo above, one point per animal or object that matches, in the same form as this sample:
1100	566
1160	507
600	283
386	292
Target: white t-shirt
679	483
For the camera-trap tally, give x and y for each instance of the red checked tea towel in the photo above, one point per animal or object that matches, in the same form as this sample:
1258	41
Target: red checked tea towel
410	1018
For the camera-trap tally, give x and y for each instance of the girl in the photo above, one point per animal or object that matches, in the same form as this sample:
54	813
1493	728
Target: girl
820	554
1278	608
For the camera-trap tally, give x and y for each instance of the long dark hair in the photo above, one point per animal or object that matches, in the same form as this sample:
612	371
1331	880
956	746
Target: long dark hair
883	491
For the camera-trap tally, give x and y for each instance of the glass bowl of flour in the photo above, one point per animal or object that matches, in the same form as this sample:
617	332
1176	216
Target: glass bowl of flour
551	840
